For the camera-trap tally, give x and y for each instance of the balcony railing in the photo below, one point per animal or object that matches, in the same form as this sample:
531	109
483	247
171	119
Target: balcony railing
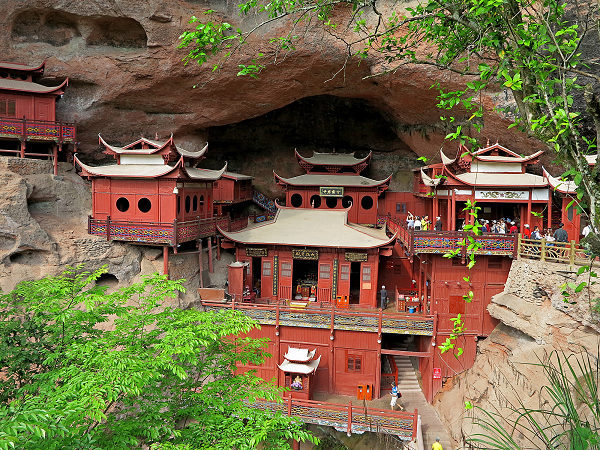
331	318
350	418
162	233
37	130
441	242
561	252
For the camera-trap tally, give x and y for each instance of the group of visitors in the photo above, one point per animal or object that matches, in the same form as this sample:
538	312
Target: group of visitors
501	226
419	223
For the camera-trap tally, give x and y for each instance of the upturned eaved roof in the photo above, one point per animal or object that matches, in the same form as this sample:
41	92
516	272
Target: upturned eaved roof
148	171
565	187
299	355
493	147
7	84
311	228
237	176
154	147
334	179
332	159
428	181
445	160
22	67
502	179
303	369
510	159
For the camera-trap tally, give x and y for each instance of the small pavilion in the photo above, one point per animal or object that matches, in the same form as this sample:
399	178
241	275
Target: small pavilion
155	194
28	125
298	367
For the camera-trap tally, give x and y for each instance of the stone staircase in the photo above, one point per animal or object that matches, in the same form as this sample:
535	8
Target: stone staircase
412	397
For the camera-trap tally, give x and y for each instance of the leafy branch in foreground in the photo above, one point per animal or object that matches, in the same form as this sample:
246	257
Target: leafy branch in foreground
91	370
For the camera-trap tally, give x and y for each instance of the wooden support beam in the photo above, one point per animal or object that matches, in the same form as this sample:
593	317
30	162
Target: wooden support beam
55	159
200	263
218	248
23	144
166	260
210	255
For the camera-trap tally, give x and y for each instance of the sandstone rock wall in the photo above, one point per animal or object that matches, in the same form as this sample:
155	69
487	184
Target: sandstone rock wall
534	322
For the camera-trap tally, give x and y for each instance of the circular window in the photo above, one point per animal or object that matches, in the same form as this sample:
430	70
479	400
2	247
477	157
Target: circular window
366	202
144	205
296	200
187	203
331	202
122	204
195	203
315	201
347	201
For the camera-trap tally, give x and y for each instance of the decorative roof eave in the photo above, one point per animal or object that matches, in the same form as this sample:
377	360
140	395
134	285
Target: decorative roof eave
192	155
377	183
23	67
299	355
36	88
591	159
445	160
303	369
237	176
90	171
301	158
498	146
518	159
564	187
428	181
203	174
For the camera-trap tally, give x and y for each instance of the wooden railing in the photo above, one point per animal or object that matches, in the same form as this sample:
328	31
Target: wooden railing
37	130
162	233
331	318
560	252
440	242
350	418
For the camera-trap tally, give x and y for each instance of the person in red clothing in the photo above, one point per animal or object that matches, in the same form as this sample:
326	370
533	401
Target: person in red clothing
526	232
513	228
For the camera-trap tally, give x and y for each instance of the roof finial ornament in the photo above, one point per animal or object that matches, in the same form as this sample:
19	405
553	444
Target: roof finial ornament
488	142
156	136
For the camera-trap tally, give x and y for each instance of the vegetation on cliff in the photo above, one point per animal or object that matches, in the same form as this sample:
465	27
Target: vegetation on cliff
87	369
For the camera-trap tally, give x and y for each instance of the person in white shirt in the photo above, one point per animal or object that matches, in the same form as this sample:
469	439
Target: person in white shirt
586	230
410	221
417	223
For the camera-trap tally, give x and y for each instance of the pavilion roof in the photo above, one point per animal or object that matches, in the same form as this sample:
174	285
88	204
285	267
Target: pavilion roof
332	159
502	179
23	67
304	369
311	227
148	171
29	86
494	147
237	176
511	159
154	147
300	355
565	187
334	179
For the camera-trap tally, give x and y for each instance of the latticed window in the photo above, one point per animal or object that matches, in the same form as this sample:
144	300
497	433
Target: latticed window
366	273
345	272
266	269
324	270
354	363
286	269
8	107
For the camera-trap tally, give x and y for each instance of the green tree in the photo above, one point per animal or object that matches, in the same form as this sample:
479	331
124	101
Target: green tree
87	369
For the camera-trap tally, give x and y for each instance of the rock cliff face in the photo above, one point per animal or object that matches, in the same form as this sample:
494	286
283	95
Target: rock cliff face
127	78
535	322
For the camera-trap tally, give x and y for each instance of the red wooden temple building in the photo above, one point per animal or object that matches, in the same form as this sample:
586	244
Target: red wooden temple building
312	276
155	194
28	125
230	192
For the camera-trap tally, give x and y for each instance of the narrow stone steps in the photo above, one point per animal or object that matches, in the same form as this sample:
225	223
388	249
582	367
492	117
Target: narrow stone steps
407	378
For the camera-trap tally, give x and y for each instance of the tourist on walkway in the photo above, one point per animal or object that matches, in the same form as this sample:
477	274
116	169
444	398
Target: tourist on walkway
383	297
438	224
536	233
436	445
425	223
418	224
560	235
395	394
513	228
526	232
410	221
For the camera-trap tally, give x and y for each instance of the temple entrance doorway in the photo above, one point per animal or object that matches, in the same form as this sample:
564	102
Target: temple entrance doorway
256	272
305	278
354	283
489	211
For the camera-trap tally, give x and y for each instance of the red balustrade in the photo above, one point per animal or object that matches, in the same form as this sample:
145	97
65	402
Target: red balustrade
37	130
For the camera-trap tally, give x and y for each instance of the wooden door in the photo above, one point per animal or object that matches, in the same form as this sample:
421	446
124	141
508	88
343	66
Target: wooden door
324	283
368	285
266	280
344	279
44	109
285	279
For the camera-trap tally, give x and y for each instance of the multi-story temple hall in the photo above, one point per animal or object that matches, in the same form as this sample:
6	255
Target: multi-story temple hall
28	125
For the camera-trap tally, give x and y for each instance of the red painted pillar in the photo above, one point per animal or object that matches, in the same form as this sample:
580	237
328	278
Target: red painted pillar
236	279
549	212
166	260
23	148
210	255
55	159
200	263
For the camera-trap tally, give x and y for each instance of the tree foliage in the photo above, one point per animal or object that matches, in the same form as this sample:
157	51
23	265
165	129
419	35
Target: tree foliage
87	369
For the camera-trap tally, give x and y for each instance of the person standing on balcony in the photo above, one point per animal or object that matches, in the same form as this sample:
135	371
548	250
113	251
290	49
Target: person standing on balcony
410	221
526	232
438	224
418	223
383	297
425	223
536	233
560	235
513	228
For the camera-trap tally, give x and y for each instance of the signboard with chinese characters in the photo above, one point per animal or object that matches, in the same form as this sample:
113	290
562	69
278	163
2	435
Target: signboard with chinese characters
501	195
256	251
355	257
334	284
437	373
331	191
303	253
275	275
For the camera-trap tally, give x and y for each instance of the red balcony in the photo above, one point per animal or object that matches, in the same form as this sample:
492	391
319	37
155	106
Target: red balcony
37	130
161	233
